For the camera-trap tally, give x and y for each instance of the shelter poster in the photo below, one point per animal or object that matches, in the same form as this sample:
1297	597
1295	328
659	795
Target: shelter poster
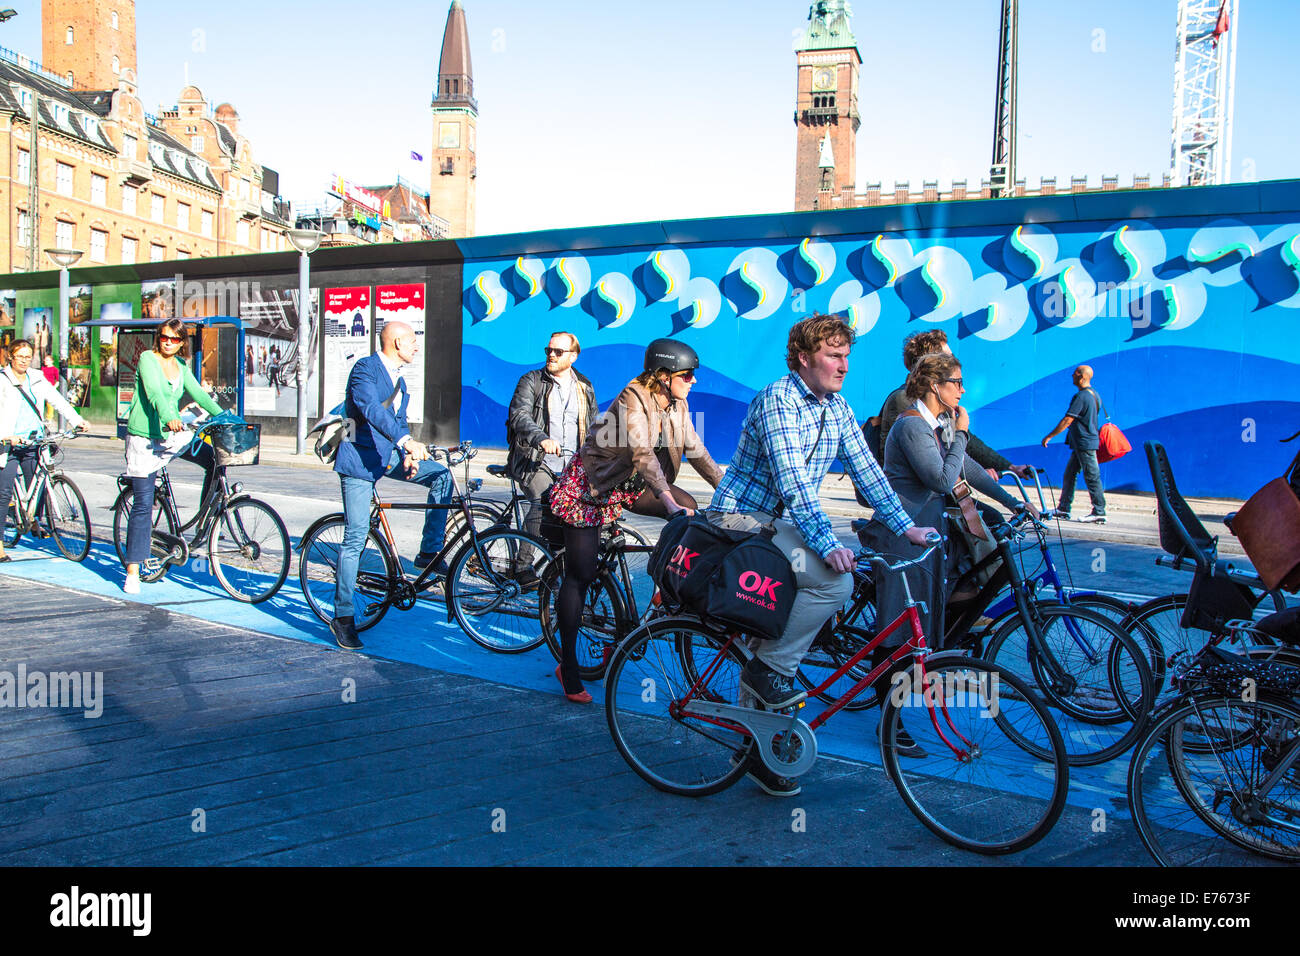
405	303
347	337
270	318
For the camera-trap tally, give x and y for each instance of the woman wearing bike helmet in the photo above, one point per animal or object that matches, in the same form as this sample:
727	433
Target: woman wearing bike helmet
155	434
630	459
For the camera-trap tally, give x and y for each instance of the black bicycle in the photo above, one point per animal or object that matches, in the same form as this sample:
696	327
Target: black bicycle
50	505
247	545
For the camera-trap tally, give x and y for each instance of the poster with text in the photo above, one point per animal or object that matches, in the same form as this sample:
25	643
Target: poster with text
347	337
405	303
270	318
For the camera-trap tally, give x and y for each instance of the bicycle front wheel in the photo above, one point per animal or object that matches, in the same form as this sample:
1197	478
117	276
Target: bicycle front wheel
67	518
1195	782
248	549
318	571
1102	695
649	687
995	771
603	620
493	590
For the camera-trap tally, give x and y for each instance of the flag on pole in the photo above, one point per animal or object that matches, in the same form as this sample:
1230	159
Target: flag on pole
1221	25
416	156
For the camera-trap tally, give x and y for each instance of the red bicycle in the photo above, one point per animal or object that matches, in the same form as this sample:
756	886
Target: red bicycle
993	777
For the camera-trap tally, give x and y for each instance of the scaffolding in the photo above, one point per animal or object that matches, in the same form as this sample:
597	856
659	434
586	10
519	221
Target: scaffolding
1205	65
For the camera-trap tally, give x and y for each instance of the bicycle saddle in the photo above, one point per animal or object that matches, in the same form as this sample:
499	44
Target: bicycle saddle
1283	625
498	471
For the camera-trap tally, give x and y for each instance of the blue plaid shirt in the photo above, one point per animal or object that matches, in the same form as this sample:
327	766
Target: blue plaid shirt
779	435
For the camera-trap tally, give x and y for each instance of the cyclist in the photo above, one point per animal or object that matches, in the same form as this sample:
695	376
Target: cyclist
794	429
552	409
630	458
25	394
155	433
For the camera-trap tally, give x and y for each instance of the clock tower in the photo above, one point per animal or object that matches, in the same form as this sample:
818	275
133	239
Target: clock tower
826	108
453	164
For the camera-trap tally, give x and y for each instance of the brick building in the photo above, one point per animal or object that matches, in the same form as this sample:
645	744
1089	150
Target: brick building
110	179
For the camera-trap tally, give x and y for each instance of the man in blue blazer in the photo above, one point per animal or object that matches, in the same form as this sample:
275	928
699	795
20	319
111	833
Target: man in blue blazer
381	445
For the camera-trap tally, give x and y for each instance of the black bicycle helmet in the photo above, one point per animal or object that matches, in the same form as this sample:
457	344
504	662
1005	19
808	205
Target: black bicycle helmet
671	355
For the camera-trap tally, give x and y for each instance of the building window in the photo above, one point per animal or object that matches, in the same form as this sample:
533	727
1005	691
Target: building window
113	19
63	178
117	66
24	166
182	254
24	228
182	216
67	40
128	249
129	149
241	232
196	143
156	207
157	253
63	232
98	189
206	224
128	200
98	245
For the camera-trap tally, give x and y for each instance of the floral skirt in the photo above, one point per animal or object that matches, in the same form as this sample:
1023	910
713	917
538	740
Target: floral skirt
575	503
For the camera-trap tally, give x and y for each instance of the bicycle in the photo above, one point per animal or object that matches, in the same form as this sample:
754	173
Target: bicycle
486	585
1092	674
51	505
1218	771
672	704
247	544
611	608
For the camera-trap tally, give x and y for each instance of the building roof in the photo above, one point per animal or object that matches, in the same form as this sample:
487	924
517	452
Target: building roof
170	155
829	26
455	59
74	113
226	138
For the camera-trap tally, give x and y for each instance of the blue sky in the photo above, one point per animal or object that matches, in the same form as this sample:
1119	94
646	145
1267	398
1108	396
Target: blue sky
622	112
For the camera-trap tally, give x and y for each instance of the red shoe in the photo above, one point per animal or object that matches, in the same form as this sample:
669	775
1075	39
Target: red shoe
580	698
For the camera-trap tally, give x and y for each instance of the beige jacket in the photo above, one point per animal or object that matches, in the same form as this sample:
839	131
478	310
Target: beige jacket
627	438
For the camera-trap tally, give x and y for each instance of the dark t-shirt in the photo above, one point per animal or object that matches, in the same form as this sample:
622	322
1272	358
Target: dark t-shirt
1083	432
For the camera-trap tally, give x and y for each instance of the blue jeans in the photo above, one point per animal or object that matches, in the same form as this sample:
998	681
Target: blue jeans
357	493
1087	461
139	529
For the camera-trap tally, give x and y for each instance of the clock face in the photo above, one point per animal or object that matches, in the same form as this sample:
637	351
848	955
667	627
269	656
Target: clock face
824	78
449	136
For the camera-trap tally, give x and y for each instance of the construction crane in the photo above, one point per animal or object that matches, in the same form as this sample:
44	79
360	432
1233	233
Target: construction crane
1205	67
1002	175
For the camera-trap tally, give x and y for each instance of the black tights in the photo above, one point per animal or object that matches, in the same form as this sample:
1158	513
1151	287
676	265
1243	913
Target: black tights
581	555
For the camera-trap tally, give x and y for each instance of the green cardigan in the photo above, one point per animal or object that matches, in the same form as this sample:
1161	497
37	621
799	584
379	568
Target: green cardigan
153	404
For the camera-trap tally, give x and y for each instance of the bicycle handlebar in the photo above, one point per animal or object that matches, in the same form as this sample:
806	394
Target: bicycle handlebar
933	539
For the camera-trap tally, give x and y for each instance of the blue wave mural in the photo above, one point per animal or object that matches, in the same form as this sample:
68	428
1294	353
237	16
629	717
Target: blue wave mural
1189	322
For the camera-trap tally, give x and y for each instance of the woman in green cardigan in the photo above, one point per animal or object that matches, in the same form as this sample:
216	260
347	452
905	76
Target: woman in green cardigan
155	433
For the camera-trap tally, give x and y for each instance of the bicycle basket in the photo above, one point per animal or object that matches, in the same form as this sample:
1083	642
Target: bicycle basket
235	443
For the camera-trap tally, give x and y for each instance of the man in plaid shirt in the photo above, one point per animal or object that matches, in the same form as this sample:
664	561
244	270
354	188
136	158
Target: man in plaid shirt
795	428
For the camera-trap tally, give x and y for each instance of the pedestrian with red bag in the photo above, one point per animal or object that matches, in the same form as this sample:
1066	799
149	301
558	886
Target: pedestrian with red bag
1083	419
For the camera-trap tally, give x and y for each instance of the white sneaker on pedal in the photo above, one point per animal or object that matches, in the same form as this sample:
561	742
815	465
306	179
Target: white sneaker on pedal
131	585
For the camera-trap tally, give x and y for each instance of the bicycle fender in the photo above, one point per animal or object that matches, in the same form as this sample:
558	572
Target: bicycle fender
314	525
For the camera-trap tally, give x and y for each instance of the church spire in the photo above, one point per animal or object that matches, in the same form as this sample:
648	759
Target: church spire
455	71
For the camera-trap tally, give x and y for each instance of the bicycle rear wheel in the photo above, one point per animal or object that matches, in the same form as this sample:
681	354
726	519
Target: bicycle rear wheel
154	568
248	549
318	572
1104	696
486	517
493	589
994	776
1194	782
67	518
603	623
645	686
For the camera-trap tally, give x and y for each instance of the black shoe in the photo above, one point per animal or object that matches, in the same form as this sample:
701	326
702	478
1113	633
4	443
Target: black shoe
345	633
904	744
424	559
767	781
4	558
775	691
527	579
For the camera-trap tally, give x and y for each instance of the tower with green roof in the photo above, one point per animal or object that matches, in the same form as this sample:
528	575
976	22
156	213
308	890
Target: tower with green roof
826	114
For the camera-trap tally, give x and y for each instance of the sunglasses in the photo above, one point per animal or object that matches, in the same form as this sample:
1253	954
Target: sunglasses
955	381
686	376
171	338
556	352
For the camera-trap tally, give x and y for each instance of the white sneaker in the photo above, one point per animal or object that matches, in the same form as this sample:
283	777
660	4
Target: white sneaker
131	585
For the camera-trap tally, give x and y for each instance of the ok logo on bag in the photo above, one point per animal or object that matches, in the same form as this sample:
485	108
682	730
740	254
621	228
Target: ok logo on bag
683	556
759	584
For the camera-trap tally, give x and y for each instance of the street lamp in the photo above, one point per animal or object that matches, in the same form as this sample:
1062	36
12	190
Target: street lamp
64	259
306	241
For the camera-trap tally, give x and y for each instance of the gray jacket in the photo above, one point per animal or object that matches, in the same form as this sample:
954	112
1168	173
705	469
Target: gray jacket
529	420
918	473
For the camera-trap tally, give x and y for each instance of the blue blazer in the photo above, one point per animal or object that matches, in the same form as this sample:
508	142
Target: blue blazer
377	427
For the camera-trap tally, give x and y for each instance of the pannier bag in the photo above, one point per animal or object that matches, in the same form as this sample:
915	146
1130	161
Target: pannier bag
1268	527
737	578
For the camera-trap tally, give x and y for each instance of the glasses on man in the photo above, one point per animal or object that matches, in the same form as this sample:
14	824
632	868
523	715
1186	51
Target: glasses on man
555	352
954	381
